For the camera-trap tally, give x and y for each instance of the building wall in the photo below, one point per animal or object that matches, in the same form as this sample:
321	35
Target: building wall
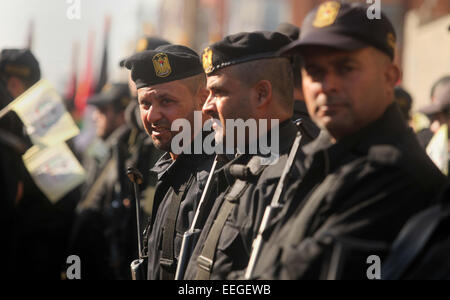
426	56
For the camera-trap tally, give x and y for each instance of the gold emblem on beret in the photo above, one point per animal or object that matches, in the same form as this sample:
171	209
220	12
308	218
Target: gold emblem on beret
162	65
142	45
207	60
327	14
391	40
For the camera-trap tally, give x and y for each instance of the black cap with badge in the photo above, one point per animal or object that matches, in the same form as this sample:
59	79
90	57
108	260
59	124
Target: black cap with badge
164	64
147	43
345	26
20	63
241	48
116	94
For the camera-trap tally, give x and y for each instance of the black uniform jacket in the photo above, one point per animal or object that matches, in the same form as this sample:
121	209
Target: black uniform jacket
190	170
235	242
351	203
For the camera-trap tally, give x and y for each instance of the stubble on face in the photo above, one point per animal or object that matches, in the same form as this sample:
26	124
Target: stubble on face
229	99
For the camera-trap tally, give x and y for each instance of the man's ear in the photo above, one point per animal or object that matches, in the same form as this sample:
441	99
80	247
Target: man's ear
263	90
392	74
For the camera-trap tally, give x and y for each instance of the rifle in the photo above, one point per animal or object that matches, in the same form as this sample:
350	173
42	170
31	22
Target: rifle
191	236
138	266
271	209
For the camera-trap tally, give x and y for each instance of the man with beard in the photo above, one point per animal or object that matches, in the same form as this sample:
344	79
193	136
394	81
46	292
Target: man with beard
366	173
246	81
171	85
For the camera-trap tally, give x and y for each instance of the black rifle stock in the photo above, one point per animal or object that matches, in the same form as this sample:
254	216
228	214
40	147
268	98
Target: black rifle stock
191	236
271	209
138	266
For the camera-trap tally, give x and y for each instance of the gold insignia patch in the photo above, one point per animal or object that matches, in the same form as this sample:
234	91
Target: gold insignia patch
327	14
142	45
162	65
207	60
391	40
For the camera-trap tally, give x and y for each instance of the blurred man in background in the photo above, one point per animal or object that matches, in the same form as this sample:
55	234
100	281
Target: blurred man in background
11	149
309	129
439	110
40	227
103	235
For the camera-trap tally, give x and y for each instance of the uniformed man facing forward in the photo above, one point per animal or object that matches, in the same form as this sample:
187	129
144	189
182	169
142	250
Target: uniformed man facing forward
366	174
171	85
246	81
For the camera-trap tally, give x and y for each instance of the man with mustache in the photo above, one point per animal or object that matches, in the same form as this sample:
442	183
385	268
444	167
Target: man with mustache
171	85
246	81
366	174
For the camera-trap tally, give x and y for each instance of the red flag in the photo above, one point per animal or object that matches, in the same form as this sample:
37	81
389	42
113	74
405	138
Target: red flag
71	89
86	85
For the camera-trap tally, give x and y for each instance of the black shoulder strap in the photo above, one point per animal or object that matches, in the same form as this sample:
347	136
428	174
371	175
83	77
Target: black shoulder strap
411	240
167	261
205	261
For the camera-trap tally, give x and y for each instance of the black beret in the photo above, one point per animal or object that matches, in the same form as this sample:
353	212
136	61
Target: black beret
20	63
345	26
117	94
147	43
164	64
242	47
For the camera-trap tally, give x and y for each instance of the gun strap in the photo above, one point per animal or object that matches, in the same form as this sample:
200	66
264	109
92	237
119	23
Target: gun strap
167	261
411	241
205	261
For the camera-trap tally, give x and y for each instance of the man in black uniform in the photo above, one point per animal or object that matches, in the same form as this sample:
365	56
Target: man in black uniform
246	81
366	174
11	149
40	227
103	234
171	85
143	154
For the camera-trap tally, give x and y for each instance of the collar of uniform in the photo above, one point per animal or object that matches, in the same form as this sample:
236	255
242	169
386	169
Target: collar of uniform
300	108
385	130
288	132
162	165
165	163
